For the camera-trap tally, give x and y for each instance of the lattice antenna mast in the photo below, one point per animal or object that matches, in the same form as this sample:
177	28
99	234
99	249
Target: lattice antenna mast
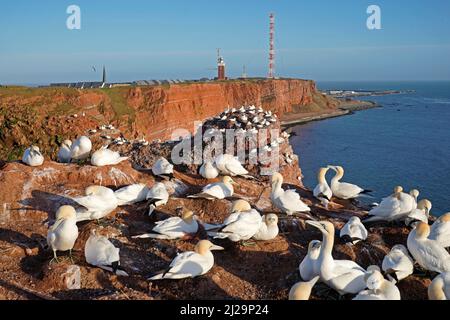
272	47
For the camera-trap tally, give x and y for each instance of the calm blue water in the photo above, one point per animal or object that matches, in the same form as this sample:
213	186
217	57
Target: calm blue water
406	142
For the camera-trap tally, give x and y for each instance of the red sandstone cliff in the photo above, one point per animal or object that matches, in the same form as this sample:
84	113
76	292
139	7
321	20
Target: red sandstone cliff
43	115
161	110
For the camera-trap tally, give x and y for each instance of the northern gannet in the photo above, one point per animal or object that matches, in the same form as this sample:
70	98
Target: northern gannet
239	226
106	157
174	227
208	170
63	233
344	190
421	213
190	264
240	206
163	168
323	191
33	157
285	134
378	287
243	118
310	267
439	289
429	254
100	252
302	290
398	264
157	196
64	152
394	207
440	230
131	194
237	207
353	231
98	202
268	229
217	190
288	201
230	165
345	277
81	148
415	194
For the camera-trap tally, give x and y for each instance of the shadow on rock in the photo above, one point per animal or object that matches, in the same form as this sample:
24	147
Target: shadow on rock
46	202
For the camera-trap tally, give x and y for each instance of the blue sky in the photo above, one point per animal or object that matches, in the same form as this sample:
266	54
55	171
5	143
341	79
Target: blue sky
137	39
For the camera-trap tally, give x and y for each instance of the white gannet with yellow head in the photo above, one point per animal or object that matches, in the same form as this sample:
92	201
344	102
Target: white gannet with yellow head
395	207
131	194
288	201
268	229
163	168
208	170
63	233
439	289
345	277
81	148
64	153
230	165
100	252
398	264
240	205
217	190
353	231
310	267
429	254
239	226
440	230
106	157
98	202
421	213
378	287
157	195
174	227
190	264
344	190
237	207
302	290
323	191
33	157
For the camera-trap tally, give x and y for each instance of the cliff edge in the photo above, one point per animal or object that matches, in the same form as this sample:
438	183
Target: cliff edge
47	116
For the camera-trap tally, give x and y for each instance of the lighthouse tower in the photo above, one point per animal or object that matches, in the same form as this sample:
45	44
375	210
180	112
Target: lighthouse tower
220	67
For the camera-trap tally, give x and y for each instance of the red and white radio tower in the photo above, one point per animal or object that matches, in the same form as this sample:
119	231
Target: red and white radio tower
272	47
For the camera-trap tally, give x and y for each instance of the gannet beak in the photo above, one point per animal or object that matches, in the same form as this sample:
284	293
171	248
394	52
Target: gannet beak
214	247
315	224
414	224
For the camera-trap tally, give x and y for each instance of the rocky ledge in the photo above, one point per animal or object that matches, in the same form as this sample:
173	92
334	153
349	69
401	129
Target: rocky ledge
266	270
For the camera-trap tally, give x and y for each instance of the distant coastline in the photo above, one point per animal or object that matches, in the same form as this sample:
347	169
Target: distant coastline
346	107
341	94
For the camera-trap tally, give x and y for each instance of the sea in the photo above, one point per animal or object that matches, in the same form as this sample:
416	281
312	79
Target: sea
405	142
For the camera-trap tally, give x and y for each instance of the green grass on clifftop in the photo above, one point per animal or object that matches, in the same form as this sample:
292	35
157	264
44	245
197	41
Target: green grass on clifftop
119	101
